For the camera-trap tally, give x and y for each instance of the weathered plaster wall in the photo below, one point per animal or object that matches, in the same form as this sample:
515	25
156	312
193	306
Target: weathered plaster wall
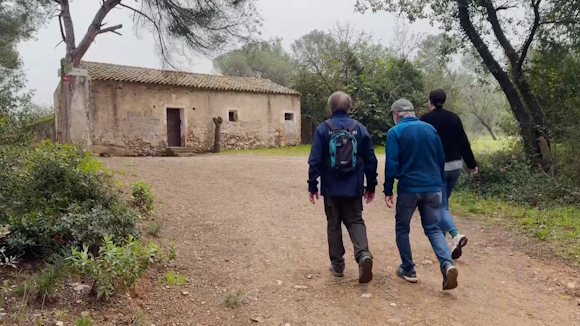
130	118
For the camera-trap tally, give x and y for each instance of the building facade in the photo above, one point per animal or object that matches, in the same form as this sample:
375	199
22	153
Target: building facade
121	110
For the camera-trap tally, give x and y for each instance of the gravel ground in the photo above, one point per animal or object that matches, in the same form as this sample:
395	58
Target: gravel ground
243	222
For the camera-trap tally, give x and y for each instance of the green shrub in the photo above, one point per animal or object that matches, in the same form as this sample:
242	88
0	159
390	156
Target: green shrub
142	197
115	268
508	176
54	196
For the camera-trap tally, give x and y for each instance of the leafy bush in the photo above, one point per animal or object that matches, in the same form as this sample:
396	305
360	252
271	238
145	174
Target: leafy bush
55	196
507	175
142	197
115	268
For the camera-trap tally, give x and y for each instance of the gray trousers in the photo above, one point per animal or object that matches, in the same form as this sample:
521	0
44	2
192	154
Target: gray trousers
348	211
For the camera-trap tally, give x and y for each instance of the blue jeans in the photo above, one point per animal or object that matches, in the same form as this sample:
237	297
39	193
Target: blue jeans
447	223
429	205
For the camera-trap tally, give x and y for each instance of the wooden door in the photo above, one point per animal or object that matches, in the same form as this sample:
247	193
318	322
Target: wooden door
173	128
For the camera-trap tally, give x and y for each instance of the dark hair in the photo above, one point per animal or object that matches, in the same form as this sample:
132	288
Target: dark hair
438	98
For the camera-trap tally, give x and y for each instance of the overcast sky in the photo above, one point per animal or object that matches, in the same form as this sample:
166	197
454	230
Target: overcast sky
282	18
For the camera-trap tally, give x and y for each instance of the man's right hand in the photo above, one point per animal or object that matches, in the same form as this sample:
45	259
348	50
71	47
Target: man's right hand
474	171
313	196
389	201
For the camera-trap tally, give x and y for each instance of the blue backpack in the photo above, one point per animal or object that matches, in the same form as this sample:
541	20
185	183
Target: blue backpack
343	147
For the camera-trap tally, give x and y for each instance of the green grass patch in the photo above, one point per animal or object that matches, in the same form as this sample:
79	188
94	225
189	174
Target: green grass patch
173	278
559	226
486	144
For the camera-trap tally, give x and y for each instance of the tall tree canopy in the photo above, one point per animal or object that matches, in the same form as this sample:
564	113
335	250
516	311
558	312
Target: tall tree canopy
349	60
265	59
487	23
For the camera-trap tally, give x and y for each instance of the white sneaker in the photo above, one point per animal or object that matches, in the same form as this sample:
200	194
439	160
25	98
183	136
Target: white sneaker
459	241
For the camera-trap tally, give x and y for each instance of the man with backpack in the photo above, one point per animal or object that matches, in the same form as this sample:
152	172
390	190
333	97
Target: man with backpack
342	154
415	157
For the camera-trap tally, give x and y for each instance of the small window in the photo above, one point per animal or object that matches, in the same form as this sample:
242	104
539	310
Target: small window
233	116
289	116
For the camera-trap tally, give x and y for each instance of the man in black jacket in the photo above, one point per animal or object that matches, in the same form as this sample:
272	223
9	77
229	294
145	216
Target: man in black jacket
456	147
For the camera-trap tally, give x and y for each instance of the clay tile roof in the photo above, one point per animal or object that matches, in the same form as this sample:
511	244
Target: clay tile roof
106	71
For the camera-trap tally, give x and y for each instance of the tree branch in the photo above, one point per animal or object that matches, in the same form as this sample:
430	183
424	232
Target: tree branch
533	30
492	17
492	64
68	28
61	28
112	29
156	26
93	30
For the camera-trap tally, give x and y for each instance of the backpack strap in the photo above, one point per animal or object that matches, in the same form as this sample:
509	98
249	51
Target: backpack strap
353	125
331	125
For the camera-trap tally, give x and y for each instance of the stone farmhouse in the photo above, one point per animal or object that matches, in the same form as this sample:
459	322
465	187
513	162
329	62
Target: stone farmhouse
121	110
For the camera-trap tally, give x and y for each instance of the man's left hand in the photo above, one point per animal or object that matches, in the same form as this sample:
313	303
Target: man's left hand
389	201
369	196
313	196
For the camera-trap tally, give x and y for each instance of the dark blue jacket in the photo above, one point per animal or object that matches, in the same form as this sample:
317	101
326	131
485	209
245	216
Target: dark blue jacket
319	161
415	157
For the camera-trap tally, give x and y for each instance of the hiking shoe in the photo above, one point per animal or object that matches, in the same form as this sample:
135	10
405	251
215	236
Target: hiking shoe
410	276
459	241
365	269
450	274
335	272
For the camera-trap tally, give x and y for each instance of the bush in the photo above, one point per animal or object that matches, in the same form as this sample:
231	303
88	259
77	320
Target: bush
508	176
115	268
142	197
55	196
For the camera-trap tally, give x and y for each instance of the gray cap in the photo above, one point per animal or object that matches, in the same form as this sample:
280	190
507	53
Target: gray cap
402	105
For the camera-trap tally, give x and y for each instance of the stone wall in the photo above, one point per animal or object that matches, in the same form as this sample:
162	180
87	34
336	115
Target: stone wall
44	129
131	118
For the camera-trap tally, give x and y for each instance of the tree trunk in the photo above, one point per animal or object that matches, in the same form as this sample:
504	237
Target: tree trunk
489	129
528	131
217	140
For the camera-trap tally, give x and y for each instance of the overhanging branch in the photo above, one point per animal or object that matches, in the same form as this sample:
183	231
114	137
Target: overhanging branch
139	13
499	33
533	30
112	29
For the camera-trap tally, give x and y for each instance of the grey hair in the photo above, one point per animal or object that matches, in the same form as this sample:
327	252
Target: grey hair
405	114
339	101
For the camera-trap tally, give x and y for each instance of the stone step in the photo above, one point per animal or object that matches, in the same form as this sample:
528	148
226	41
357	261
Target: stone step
184	154
179	149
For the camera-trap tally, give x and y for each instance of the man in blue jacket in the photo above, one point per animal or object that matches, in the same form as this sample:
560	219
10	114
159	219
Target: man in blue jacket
342	155
415	157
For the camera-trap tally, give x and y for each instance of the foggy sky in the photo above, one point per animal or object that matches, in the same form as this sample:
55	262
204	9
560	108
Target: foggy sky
281	19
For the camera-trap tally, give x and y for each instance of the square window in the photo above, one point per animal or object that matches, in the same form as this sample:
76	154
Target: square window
233	116
289	116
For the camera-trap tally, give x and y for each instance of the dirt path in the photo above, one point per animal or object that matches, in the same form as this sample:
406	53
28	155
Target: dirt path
244	222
